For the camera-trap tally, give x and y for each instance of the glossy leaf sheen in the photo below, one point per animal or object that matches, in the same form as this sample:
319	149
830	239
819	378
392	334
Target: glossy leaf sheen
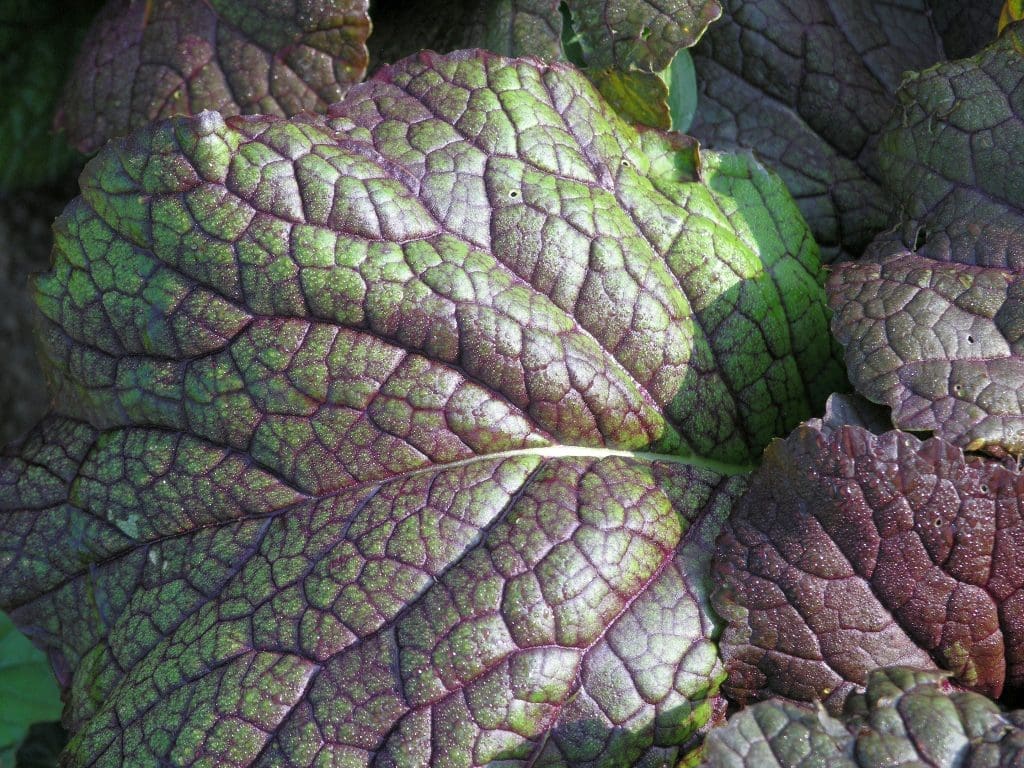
936	333
142	61
853	551
401	436
905	717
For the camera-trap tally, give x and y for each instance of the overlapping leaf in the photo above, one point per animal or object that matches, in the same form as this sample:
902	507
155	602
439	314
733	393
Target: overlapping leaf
853	551
905	717
640	34
626	48
637	35
809	86
401	436
933	323
142	61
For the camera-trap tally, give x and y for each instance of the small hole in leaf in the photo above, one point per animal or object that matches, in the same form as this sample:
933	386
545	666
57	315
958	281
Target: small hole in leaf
957	389
970	339
920	239
984	487
937	521
513	193
626	163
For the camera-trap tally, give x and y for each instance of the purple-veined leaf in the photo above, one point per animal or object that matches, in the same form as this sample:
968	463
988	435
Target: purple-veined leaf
853	551
626	47
142	61
905	717
401	436
639	34
932	323
810	85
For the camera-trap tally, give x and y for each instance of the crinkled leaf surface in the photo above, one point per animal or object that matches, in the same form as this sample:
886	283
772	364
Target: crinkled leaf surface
853	551
401	436
905	717
142	61
808	86
520	28
639	34
626	47
631	35
936	332
946	156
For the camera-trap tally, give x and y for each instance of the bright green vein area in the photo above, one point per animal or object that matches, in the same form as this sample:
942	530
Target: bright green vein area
576	451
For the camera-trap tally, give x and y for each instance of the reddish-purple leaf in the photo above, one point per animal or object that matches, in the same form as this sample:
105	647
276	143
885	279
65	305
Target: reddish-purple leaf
853	551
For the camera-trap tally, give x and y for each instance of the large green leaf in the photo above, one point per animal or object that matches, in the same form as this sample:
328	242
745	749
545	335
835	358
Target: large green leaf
401	436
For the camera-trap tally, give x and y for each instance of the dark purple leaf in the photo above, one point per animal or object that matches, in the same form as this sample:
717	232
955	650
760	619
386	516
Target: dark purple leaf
853	551
809	86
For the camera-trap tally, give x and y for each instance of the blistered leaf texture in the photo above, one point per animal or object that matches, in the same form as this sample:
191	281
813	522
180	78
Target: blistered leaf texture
809	86
520	28
946	156
639	34
939	342
142	61
631	35
853	551
401	436
905	717
625	47
932	324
